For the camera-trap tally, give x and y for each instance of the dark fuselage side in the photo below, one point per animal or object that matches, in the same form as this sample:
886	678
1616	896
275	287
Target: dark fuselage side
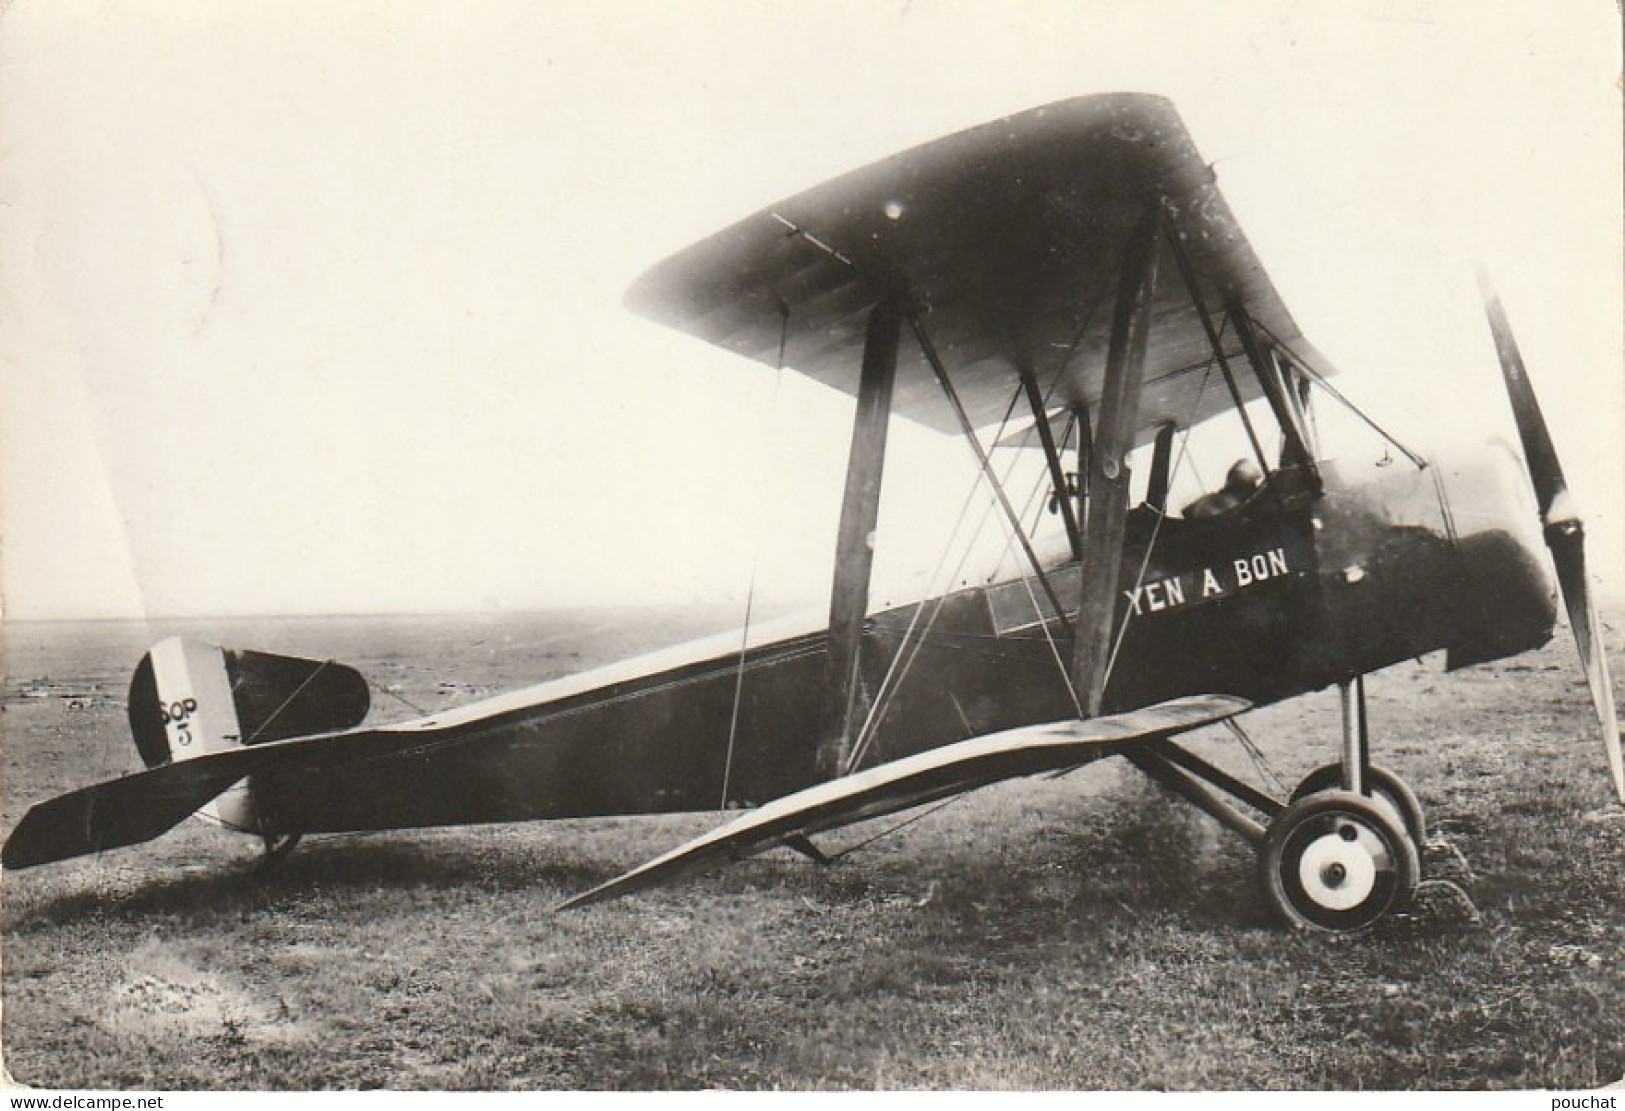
1276	598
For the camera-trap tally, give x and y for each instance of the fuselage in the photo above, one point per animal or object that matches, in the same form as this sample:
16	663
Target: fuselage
1296	589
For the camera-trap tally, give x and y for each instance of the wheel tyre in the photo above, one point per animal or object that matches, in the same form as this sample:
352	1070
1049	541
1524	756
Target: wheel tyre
1384	786
1337	861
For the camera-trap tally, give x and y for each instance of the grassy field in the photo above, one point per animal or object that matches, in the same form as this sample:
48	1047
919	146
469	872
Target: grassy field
1077	933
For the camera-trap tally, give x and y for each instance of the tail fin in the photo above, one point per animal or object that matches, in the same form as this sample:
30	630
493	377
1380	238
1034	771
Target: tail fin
189	699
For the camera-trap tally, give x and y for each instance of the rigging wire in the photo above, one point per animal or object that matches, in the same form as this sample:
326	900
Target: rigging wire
1043	622
1215	335
401	698
899	827
755	562
938	600
1417	460
899	667
929	350
914	643
1256	754
286	702
1026	582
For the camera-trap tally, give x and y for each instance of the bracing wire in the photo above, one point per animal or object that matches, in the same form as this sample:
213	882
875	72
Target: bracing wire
901	664
995	484
899	667
750	592
286	702
908	653
1026	581
1043	624
401	698
1032	597
1331	391
899	827
1256	754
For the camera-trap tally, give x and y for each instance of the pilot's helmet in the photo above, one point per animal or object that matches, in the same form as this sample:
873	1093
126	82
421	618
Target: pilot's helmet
1243	476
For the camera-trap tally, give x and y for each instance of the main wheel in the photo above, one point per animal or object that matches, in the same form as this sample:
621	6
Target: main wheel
1337	861
1385	787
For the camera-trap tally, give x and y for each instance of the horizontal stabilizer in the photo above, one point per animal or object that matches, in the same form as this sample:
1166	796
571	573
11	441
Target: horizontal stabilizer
139	807
117	812
922	778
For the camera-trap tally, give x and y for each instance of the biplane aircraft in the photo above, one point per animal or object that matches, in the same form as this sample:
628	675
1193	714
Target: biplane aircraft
1064	286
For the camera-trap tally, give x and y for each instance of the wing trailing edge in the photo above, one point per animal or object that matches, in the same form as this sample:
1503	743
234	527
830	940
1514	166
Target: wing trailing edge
923	778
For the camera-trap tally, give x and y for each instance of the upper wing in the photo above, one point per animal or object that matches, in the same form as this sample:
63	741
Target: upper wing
924	777
1008	239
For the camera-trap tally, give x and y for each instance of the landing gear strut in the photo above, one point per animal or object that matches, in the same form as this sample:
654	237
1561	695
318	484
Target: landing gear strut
1347	848
1342	852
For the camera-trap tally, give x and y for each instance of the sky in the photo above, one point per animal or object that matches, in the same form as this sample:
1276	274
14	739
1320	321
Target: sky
316	307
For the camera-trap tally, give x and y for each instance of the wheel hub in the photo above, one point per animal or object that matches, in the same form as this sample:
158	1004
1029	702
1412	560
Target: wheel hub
1338	870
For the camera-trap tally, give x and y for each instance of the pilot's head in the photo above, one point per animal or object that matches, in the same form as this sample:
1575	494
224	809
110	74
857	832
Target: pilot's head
1243	477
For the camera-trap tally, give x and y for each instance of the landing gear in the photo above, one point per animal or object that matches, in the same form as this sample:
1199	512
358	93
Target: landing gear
1341	853
1338	861
1347	848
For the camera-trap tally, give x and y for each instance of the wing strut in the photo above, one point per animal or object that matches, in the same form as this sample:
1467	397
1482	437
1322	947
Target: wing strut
1086	451
1156	491
1294	451
1187	274
1106	522
854	550
1057	473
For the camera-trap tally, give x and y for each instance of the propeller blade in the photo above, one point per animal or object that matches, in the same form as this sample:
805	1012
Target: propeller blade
1565	533
1568	553
1544	470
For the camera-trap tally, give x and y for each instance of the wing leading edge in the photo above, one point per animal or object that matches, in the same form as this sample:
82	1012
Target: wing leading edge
1006	240
919	779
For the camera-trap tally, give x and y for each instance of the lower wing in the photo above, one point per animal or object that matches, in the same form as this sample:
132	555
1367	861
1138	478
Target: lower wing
922	778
